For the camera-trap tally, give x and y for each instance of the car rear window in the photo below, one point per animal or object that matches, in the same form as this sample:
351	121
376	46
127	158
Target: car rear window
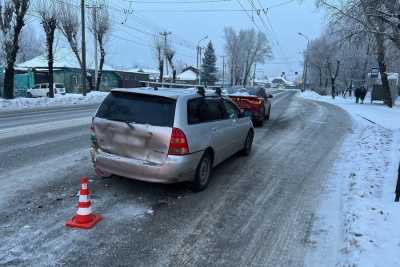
138	108
59	85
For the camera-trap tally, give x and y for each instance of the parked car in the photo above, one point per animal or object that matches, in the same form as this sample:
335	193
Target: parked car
253	99
167	135
42	90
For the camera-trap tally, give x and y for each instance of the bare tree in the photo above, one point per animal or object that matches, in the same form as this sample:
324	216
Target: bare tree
48	12
100	27
376	17
12	15
69	26
169	54
159	52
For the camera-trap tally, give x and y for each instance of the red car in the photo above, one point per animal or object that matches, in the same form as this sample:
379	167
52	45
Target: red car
254	100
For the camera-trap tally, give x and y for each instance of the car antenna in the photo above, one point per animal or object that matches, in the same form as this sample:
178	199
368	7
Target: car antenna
201	91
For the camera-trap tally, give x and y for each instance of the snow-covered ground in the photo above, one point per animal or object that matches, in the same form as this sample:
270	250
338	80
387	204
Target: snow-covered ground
358	221
59	100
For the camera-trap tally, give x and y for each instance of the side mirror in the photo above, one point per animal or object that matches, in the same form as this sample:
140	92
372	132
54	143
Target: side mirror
270	96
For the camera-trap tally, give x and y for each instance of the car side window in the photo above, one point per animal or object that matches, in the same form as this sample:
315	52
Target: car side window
36	87
201	110
232	111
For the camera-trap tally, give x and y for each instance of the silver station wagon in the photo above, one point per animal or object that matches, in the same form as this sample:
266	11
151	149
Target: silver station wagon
167	135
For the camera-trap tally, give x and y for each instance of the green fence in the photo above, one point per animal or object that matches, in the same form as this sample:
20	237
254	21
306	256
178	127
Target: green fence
22	82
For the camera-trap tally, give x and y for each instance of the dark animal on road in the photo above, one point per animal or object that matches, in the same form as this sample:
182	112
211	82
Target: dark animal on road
360	94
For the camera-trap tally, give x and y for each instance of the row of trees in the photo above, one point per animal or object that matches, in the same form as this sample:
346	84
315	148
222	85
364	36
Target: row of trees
53	16
361	34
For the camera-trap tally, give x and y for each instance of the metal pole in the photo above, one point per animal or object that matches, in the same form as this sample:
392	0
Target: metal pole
200	66
83	69
96	63
223	71
306	66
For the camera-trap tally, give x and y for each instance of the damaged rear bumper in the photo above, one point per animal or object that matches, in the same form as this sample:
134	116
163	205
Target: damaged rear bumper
174	169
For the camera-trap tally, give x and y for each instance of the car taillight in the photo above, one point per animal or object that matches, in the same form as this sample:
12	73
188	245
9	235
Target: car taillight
255	102
178	145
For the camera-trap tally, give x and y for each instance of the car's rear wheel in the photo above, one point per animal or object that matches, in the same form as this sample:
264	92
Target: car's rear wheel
203	173
248	144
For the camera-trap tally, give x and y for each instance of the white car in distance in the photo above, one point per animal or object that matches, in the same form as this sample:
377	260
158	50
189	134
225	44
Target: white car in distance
42	90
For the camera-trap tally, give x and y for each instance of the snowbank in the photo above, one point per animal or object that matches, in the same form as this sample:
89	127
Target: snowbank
59	100
358	216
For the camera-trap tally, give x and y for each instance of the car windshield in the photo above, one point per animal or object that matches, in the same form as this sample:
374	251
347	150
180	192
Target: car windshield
59	85
138	108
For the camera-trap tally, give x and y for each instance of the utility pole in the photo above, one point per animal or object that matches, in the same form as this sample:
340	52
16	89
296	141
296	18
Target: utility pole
96	64
223	71
165	35
83	74
198	49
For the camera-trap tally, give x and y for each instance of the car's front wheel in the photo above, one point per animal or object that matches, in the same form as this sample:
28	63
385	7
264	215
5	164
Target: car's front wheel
29	95
203	173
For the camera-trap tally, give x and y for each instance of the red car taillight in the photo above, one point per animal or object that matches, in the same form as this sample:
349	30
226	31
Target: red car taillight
178	145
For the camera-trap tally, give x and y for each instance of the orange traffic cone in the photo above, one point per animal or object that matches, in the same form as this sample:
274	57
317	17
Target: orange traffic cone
84	218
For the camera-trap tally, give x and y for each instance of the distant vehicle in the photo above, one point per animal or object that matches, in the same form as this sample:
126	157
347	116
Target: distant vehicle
167	135
254	100
42	90
280	82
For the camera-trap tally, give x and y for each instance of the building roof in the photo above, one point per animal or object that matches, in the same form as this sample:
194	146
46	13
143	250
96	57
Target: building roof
187	75
63	58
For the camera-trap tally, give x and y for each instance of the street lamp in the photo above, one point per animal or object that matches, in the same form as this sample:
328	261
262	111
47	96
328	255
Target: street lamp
199	56
305	68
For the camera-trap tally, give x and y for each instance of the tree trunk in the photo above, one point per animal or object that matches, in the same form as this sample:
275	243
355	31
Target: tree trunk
50	58
380	43
161	69
12	54
8	92
100	73
333	87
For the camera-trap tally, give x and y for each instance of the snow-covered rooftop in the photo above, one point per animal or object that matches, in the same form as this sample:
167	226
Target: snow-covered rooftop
187	75
63	58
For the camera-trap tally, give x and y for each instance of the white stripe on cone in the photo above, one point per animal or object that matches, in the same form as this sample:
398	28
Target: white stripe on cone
84	198
84	186
84	211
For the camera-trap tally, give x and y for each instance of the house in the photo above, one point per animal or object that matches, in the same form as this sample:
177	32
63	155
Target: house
154	75
67	71
188	75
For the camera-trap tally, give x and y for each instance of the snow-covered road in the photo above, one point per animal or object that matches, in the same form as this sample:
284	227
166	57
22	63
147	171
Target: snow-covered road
258	211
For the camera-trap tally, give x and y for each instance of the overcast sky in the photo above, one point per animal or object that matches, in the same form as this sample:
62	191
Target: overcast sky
135	22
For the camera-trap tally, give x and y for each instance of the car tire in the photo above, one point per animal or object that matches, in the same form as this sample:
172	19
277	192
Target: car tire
203	173
248	143
29	95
